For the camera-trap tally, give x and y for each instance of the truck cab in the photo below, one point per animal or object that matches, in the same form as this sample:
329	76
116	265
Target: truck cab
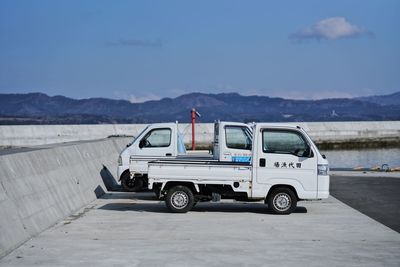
155	141
232	142
160	141
285	167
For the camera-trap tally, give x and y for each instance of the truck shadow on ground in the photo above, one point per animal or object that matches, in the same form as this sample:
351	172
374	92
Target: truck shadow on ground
144	195
158	206
109	180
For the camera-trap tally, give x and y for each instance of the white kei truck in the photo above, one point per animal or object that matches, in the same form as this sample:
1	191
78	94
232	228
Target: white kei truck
285	167
163	141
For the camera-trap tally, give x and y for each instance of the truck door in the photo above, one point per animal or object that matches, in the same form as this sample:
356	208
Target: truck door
285	155
157	142
236	143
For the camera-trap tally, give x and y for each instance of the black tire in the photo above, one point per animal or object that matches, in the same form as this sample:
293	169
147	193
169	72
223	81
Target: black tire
180	199
157	191
131	185
282	200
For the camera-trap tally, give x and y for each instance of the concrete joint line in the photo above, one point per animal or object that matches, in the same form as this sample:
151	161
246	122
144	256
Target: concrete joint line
4	189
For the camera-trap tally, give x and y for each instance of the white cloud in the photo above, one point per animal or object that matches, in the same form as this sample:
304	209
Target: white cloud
144	98
134	98
331	29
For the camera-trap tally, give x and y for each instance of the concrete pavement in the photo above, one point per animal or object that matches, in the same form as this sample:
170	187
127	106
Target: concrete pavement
377	197
134	229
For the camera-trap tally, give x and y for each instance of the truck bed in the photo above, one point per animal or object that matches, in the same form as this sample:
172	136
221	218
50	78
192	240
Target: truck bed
139	164
198	161
200	156
202	171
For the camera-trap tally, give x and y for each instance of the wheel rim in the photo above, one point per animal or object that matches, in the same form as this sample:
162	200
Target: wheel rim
130	183
282	202
179	200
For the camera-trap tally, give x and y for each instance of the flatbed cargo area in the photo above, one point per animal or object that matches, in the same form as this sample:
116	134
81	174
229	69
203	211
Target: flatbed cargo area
199	162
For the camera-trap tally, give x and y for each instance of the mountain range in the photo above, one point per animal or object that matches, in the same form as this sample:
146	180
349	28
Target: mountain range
39	108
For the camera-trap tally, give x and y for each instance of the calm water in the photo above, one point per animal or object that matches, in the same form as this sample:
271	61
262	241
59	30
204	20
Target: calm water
366	158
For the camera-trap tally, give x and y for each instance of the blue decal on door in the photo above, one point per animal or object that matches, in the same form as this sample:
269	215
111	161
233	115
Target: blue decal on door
241	158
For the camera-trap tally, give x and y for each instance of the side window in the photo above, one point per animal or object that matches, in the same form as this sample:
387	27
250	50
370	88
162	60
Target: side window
284	142
157	138
237	137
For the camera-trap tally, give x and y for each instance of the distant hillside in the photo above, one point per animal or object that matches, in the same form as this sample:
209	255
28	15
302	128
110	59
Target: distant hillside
38	108
392	99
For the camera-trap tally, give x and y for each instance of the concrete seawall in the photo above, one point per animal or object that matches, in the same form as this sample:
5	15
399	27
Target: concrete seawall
39	188
321	132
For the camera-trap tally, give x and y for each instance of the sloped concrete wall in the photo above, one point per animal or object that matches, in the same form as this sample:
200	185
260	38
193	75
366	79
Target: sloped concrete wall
39	188
32	135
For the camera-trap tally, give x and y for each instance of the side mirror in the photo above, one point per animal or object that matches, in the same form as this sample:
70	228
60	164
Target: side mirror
141	143
308	153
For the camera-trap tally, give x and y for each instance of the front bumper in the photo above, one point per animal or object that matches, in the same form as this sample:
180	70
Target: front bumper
323	186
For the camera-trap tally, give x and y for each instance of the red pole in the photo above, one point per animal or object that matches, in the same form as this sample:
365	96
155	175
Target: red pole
193	130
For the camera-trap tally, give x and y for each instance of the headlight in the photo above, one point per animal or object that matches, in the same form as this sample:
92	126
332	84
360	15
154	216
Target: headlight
323	169
119	160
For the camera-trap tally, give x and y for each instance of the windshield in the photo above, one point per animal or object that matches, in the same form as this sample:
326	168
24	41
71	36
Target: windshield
136	137
238	137
249	133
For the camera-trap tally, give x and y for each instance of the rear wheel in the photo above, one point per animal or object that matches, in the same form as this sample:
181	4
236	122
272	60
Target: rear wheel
282	200
179	199
131	184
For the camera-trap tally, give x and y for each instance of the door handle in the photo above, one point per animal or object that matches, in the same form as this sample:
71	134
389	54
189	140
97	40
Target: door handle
262	162
168	154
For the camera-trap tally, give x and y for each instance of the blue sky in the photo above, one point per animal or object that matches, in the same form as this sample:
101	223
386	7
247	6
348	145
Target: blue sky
140	50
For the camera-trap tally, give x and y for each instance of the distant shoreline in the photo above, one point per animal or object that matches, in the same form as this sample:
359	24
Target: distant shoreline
360	144
345	145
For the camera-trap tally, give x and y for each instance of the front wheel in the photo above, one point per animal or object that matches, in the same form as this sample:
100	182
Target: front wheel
282	200
179	199
131	184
